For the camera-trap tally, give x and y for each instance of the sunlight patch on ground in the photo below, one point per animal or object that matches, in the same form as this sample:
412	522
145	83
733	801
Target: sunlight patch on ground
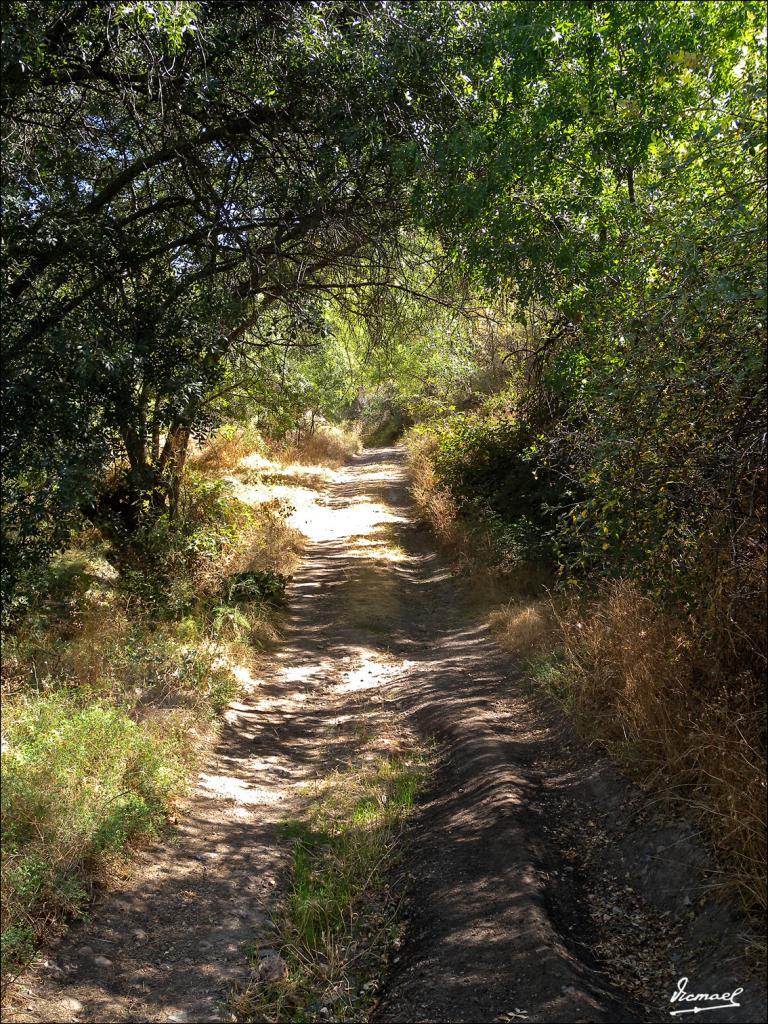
263	764
388	472
300	673
259	480
357	519
306	504
370	674
244	676
298	696
227	787
379	549
292	469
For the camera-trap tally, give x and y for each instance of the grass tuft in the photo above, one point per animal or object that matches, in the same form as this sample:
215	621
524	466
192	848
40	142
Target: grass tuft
642	682
524	626
339	919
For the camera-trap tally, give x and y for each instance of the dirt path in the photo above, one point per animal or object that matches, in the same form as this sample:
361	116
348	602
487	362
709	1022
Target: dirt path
526	858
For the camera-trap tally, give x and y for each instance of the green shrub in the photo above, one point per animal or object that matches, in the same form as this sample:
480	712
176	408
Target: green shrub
256	586
171	561
487	464
79	778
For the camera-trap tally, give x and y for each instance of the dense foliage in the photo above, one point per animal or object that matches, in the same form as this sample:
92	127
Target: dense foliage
183	184
610	180
548	217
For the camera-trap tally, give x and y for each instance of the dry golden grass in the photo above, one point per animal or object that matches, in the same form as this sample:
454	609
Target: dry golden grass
641	683
226	448
327	445
75	642
679	702
524	626
435	503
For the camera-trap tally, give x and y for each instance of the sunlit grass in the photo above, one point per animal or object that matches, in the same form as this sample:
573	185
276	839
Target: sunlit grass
80	777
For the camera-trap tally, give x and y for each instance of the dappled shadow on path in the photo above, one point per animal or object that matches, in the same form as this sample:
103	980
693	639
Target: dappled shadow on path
374	625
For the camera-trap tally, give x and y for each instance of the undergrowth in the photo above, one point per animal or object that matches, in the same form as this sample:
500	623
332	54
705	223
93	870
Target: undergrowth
326	444
114	674
673	694
339	920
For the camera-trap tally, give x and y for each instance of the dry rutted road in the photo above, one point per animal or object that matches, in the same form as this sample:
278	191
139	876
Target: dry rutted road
527	857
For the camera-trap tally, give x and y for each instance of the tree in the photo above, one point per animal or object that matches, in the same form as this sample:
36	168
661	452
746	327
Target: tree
610	177
179	177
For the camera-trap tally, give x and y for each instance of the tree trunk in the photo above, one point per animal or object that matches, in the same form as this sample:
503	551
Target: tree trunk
156	431
173	460
631	185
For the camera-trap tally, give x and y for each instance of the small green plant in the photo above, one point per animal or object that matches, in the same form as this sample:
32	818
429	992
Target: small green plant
229	622
550	671
254	585
340	919
17	946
